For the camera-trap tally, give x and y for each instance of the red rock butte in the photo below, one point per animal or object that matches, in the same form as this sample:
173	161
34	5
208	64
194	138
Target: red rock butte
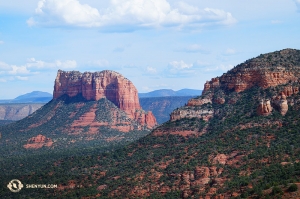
94	86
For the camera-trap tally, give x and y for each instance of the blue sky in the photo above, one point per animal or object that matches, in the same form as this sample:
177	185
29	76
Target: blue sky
154	43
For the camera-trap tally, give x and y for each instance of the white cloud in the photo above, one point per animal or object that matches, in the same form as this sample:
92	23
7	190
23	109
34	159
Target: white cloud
221	67
18	70
22	78
151	70
61	12
179	65
31	67
57	64
127	15
229	51
179	69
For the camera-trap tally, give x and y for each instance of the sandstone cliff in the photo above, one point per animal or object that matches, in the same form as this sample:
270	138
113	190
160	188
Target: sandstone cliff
267	70
105	84
279	72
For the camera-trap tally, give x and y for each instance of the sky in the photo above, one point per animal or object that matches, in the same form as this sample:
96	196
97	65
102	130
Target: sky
157	44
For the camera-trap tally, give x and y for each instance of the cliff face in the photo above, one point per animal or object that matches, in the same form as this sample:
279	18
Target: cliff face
94	86
17	111
265	71
109	84
278	71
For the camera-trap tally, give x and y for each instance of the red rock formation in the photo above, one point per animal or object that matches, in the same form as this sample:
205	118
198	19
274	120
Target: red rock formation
264	108
38	142
190	112
112	85
283	105
241	79
94	86
290	90
220	159
198	102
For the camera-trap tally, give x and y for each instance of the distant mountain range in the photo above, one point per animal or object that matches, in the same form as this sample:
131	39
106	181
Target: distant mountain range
33	97
170	92
44	97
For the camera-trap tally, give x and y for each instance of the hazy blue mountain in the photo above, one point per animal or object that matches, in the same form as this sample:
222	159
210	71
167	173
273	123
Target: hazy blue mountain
162	107
170	92
34	94
33	97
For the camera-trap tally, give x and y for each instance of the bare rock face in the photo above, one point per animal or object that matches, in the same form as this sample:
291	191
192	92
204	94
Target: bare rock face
109	84
190	112
264	108
94	86
38	142
220	159
290	90
264	71
198	102
248	77
281	103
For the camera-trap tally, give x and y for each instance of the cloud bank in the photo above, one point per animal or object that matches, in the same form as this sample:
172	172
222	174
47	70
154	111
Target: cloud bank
127	15
32	67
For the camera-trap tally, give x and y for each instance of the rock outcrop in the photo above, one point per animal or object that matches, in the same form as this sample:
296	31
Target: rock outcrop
188	112
38	142
264	108
105	84
198	102
265	71
281	103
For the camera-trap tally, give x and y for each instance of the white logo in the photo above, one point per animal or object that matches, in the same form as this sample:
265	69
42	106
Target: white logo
15	185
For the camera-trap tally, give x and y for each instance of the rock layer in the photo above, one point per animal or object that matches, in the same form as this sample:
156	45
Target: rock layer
264	71
38	142
109	84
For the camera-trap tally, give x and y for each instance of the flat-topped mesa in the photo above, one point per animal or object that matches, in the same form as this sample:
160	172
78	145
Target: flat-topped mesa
94	86
267	70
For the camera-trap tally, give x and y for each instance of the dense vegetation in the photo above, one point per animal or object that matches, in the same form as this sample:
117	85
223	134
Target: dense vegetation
54	120
262	158
5	122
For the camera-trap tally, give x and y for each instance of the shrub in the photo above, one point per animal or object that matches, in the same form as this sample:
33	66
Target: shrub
293	188
276	190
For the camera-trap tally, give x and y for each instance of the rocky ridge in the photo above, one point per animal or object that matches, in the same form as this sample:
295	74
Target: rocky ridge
280	68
